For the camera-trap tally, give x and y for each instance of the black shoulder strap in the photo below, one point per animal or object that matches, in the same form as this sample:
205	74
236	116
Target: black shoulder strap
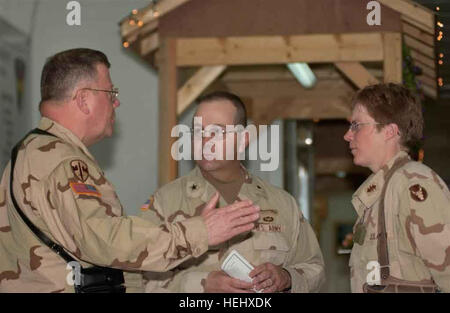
47	241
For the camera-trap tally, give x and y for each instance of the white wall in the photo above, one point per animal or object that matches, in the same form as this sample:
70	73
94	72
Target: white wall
129	158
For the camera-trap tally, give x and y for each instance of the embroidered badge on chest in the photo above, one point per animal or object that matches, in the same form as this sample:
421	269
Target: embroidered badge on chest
418	193
80	170
266	220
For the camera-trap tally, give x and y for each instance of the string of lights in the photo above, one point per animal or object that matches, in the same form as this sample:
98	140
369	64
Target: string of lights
136	16
442	10
440	7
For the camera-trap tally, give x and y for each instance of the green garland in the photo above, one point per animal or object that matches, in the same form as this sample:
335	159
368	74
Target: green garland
410	71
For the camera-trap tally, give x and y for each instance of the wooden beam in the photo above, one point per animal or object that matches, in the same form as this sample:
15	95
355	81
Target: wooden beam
392	65
141	32
317	48
196	85
418	34
428	90
419	46
282	73
412	10
167	110
162	7
425	69
424	79
430	62
269	100
428	30
130	31
357	73
149	44
269	109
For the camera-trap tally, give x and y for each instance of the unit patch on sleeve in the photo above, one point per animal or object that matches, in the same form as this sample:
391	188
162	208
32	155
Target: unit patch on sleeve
418	193
80	170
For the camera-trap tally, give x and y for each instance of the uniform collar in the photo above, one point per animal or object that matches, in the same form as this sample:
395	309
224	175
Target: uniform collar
198	187
64	134
369	192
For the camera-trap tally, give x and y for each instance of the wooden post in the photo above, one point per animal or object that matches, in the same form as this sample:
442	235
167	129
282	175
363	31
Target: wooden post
393	60
167	109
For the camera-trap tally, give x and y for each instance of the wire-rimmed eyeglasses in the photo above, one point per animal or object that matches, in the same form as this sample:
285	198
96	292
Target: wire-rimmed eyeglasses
211	130
113	93
355	126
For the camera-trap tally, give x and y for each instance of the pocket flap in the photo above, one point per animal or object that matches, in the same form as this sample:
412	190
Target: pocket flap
270	241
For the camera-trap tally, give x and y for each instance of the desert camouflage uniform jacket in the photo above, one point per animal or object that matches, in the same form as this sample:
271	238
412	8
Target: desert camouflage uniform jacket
61	188
282	236
417	210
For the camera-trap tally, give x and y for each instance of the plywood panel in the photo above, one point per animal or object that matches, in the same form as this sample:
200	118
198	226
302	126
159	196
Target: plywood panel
226	18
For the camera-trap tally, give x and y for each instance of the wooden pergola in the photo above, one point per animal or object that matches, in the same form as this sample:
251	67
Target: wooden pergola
242	45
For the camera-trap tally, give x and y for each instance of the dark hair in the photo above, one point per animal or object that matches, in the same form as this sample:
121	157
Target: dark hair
394	103
240	117
65	69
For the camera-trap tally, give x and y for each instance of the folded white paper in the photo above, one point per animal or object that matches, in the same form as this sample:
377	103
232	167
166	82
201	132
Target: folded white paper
237	266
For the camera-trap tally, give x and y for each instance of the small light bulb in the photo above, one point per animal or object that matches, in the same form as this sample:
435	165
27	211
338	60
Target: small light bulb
441	62
134	12
441	55
126	44
140	23
132	22
438	8
155	13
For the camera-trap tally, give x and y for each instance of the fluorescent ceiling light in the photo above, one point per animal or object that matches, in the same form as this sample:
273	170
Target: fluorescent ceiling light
303	74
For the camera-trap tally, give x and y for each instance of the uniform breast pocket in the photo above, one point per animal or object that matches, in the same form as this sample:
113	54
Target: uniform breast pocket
271	247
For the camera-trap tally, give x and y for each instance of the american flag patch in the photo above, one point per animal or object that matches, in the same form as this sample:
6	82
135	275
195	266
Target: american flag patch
147	204
85	189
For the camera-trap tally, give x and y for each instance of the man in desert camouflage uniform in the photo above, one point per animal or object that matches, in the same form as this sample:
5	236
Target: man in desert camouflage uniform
386	124
62	190
283	247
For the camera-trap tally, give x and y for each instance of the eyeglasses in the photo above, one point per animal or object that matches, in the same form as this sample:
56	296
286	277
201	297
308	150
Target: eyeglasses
113	94
355	126
211	129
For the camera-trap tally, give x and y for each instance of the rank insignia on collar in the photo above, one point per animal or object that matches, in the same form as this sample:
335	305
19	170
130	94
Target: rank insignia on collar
371	188
194	189
268	219
80	170
418	193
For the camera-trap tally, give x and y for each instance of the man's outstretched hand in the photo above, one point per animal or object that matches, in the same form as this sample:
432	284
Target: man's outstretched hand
227	222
